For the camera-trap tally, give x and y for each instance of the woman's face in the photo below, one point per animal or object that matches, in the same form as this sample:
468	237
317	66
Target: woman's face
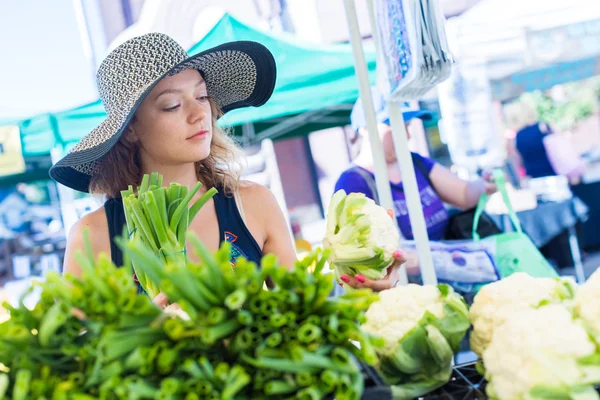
385	133
174	122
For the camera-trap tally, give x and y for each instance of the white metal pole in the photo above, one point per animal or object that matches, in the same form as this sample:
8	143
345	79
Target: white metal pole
381	177
412	194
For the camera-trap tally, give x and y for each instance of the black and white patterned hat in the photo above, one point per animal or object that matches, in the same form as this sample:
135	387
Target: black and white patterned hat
237	74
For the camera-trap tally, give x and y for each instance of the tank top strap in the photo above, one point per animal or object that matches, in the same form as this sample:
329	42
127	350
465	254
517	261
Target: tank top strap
115	216
233	229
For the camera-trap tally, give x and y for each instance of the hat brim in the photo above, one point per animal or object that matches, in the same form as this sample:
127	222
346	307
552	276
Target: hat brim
223	68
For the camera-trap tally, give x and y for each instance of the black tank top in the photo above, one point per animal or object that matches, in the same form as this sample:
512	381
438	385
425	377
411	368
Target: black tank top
232	229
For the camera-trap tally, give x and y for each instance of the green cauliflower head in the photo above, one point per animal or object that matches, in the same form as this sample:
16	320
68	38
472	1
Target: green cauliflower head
540	354
422	327
587	304
361	235
520	291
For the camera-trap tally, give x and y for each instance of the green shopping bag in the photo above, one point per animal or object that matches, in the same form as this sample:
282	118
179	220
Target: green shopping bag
515	252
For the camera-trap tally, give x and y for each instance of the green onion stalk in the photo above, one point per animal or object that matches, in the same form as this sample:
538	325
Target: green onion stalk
160	217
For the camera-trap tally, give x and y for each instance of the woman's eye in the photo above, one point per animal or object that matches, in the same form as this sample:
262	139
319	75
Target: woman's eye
203	99
175	107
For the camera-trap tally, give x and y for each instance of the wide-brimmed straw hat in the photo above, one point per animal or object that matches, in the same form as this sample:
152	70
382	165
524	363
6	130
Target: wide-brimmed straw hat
237	74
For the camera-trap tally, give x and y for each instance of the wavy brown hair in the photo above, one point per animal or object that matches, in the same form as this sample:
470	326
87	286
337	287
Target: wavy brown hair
121	166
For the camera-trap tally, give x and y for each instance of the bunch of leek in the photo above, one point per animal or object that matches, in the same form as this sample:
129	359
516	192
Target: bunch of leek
160	217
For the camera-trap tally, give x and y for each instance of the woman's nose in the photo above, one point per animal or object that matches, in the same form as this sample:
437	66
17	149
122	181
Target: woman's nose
197	112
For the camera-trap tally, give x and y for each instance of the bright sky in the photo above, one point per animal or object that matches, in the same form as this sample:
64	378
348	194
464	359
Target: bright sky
44	66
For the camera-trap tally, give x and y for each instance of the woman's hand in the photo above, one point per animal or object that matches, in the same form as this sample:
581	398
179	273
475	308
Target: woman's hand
488	179
161	300
359	281
388	282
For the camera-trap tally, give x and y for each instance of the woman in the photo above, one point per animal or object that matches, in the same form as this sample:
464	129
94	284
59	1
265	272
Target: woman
162	108
529	143
437	184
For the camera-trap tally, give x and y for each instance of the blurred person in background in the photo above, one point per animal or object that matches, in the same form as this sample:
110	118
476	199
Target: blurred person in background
437	184
538	150
530	152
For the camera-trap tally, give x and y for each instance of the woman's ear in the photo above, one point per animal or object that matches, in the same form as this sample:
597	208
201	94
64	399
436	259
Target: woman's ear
130	135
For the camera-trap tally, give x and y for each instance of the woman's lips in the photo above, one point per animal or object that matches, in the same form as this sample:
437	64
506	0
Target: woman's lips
199	135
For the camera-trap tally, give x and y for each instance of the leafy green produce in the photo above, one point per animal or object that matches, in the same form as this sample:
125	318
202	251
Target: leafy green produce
95	337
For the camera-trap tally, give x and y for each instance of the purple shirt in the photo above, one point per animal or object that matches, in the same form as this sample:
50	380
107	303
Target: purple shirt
436	215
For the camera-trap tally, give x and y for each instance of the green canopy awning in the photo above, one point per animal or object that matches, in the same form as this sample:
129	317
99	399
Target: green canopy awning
310	77
315	89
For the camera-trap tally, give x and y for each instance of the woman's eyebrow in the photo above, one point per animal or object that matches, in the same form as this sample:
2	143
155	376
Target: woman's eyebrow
167	91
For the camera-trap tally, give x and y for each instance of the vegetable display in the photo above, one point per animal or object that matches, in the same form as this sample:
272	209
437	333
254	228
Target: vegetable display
422	327
160	218
361	236
96	338
248	331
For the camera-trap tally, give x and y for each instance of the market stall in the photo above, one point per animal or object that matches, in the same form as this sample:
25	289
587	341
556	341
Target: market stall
236	330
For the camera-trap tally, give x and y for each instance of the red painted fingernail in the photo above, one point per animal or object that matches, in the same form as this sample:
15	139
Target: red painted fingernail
345	278
360	278
398	254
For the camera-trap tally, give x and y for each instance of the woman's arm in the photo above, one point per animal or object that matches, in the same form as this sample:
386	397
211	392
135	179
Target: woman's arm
97	227
458	192
260	205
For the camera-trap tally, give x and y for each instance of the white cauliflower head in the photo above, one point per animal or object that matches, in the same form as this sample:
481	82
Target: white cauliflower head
587	303
361	235
539	349
399	310
422	327
520	291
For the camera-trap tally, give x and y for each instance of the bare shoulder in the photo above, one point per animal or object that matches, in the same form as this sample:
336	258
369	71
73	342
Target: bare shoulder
96	226
255	192
261	204
258	203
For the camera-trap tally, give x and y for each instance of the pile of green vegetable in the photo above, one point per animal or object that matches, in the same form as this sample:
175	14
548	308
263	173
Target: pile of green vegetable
96	338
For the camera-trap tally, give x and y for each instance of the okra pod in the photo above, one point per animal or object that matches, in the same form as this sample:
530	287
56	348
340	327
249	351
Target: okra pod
310	393
236	381
166	360
274	339
213	333
191	368
21	386
170	385
244	317
236	299
308	333
284	365
304	379
216	315
329	380
275	388
277	320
